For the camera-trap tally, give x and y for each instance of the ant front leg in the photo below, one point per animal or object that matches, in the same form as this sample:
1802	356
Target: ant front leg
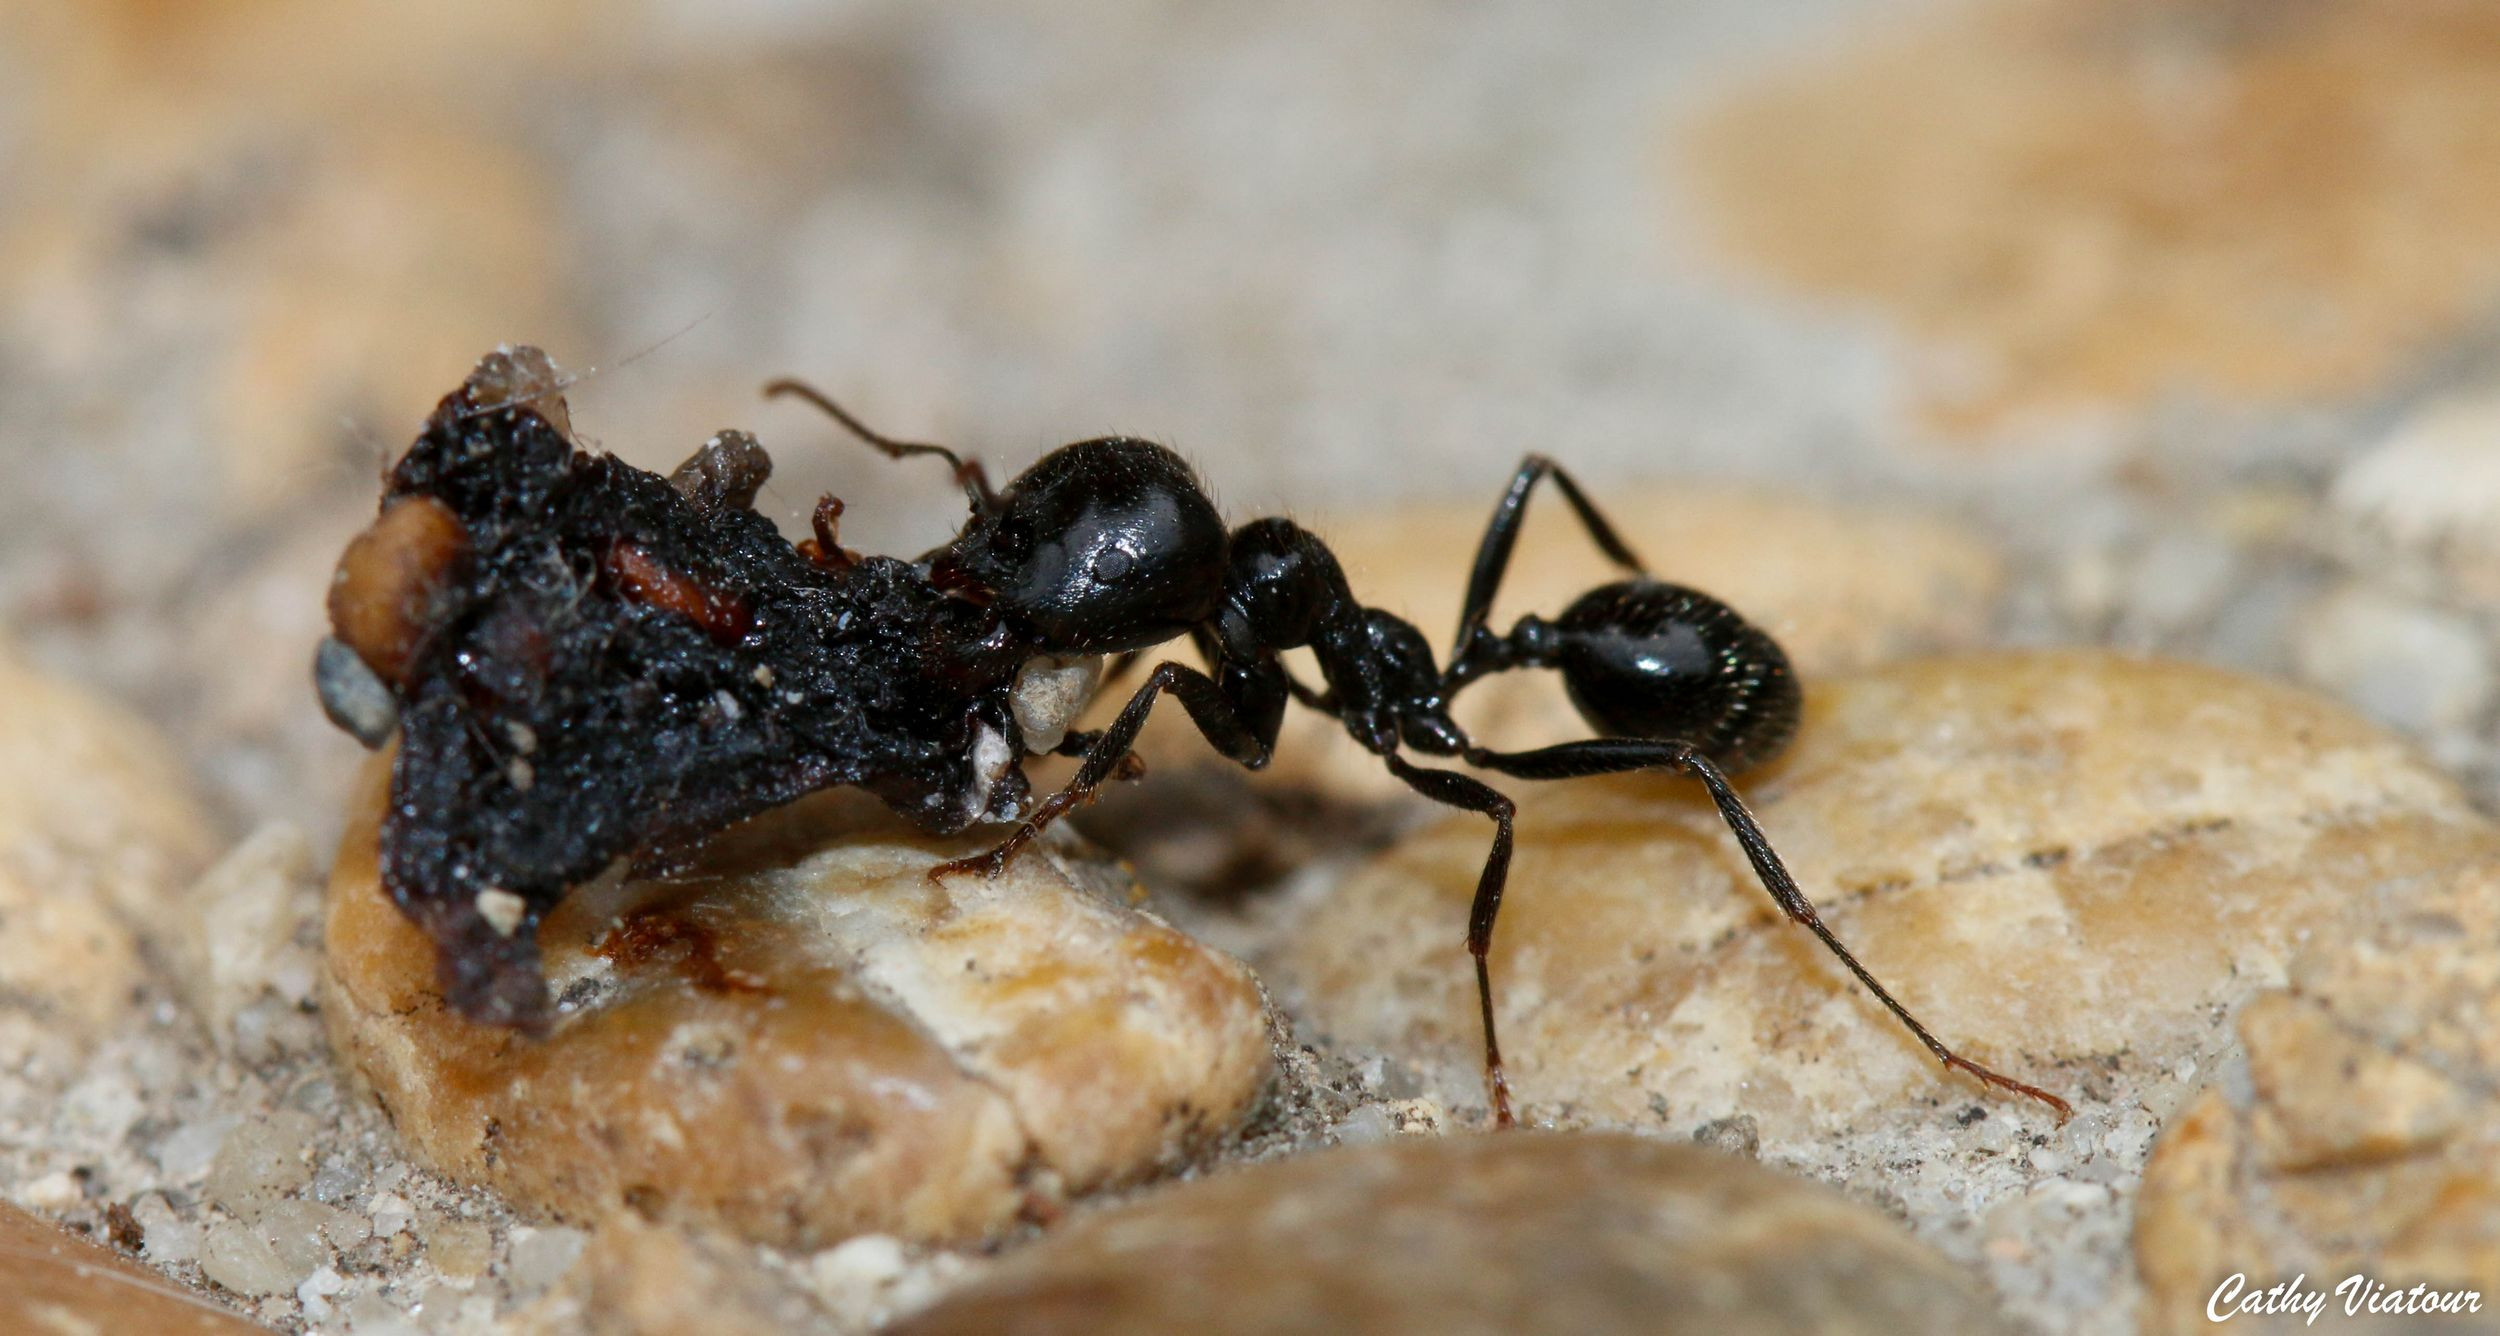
1610	756
1502	534
1457	790
1240	716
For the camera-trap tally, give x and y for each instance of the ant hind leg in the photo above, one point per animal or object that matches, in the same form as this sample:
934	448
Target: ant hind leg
1502	534
1610	756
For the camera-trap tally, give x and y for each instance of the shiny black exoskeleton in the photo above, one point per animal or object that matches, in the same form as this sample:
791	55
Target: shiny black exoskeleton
591	662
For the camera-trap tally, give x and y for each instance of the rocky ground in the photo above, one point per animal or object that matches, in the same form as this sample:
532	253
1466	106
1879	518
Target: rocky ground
2097	397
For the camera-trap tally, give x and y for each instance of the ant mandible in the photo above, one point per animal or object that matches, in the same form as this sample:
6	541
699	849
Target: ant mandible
586	661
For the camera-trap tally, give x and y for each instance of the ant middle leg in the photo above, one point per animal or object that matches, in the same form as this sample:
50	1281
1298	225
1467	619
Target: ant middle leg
1502	534
969	474
1240	716
1609	756
1457	790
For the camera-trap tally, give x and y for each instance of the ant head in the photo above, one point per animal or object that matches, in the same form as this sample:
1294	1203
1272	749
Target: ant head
1644	659
1102	546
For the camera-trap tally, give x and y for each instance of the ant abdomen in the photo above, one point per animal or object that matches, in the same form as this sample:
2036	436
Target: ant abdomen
1645	659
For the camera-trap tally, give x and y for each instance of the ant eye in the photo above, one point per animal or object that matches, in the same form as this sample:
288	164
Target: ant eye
1112	565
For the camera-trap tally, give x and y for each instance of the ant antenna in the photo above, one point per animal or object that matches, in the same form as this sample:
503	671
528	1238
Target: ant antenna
969	474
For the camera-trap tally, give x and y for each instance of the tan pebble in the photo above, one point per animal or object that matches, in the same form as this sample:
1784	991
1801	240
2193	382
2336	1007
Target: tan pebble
2456	1235
1517	1234
69	961
2189	1233
2327	1097
2366	1151
806	1038
98	833
2054	859
51	1282
2425	980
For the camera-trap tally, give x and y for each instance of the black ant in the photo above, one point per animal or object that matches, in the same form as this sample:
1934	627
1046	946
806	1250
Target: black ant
586	661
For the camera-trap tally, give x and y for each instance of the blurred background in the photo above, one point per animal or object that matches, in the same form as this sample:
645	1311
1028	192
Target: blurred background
2189	303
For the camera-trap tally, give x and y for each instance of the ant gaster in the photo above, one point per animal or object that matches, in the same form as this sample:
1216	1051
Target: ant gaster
585	661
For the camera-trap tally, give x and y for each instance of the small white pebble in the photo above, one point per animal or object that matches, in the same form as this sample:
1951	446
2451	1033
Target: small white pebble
170	1239
536	1258
2413	666
295	979
337	1180
314	1294
763	675
346	1229
1365	1125
56	1191
859	1267
369	1314
235	1256
391	1214
261	1161
502	910
186	1151
2131	1136
298	1229
876	1277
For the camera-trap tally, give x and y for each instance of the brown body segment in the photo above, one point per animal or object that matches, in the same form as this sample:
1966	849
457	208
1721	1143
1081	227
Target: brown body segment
382	596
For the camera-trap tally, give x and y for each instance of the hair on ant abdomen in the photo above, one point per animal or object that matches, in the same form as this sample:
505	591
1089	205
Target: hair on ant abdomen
585	661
